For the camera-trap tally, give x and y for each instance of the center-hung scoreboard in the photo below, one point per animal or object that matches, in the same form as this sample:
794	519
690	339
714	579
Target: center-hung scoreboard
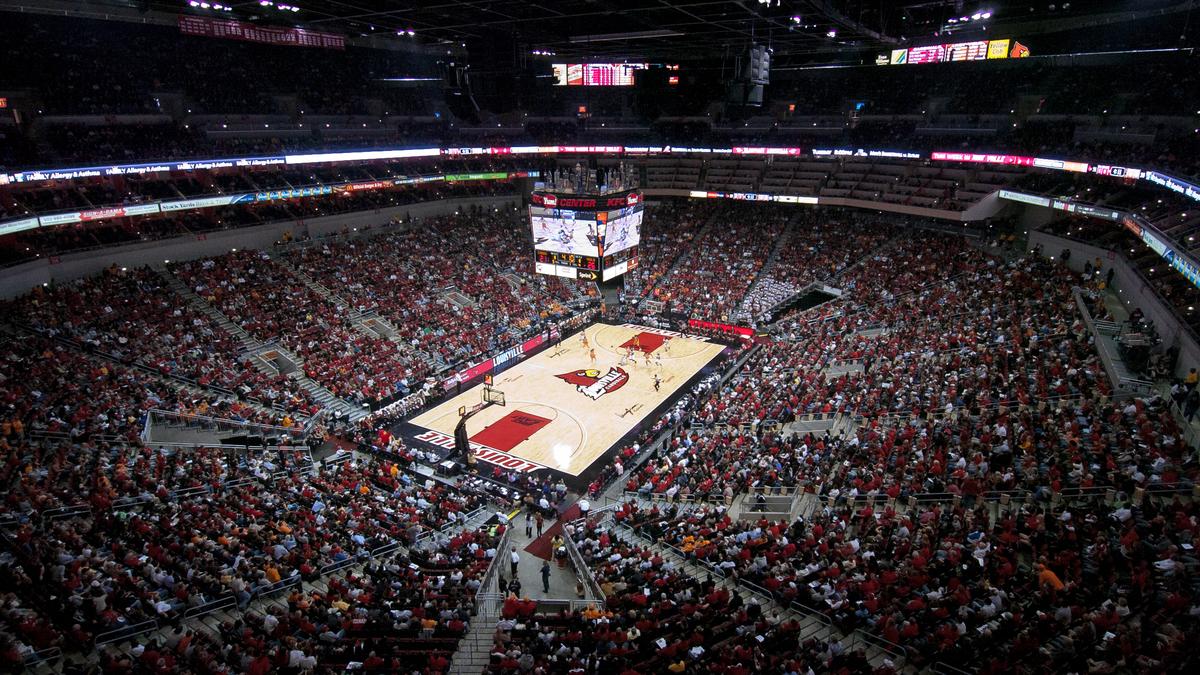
590	237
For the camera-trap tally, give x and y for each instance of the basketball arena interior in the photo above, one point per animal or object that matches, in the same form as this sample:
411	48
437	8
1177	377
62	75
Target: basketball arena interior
599	337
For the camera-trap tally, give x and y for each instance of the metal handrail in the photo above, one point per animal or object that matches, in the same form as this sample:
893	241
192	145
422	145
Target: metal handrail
493	570
225	602
583	571
222	421
279	586
127	632
43	656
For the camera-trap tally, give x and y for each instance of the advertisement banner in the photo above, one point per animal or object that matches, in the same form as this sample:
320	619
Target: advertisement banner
998	49
200	203
728	329
1024	198
467	374
1173	184
1013	160
18	225
60	219
494	175
487	365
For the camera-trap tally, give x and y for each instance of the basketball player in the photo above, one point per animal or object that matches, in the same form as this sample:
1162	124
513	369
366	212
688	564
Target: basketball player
657	382
592	355
637	342
667	344
583	339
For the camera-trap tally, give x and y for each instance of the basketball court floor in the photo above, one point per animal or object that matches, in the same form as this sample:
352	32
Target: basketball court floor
568	405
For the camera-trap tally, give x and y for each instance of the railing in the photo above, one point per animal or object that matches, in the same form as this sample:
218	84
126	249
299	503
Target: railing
221	424
943	668
124	503
126	632
556	605
45	656
583	571
488	604
63	512
280	586
676	498
894	651
226	602
493	570
340	565
1107	357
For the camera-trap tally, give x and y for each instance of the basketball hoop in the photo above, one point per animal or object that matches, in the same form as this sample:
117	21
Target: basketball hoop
492	396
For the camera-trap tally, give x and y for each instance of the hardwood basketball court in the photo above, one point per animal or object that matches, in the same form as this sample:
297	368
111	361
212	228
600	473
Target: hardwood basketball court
563	409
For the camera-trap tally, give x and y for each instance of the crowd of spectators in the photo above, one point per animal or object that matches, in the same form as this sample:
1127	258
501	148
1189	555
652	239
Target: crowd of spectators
819	246
53	390
271	303
166	532
1096	583
668	230
455	287
658	618
134	317
715	270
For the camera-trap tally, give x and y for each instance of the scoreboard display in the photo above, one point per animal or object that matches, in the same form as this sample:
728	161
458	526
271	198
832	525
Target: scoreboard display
584	236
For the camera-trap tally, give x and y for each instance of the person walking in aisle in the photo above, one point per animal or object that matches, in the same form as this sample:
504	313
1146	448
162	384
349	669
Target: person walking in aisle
540	521
545	576
528	524
516	561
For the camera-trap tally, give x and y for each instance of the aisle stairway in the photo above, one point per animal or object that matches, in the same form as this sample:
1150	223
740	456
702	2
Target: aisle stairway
475	648
270	358
743	312
812	626
676	264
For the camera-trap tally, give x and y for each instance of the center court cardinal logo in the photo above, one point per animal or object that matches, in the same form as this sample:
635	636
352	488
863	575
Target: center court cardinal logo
594	385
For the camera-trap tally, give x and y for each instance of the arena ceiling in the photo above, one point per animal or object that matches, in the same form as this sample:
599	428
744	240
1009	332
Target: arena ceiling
665	29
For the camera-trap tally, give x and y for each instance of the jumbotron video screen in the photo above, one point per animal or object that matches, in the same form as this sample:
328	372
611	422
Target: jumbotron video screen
581	243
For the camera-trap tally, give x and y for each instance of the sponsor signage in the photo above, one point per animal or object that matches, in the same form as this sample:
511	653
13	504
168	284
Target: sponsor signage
981	158
859	152
60	219
613	272
1096	212
20	225
372	185
361	156
101	214
1173	184
1060	165
488	365
1116	171
729	329
753	197
1024	198
496	175
200	203
293	193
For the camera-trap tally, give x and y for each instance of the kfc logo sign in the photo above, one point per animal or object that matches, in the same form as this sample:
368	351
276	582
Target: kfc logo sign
592	384
550	200
633	198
